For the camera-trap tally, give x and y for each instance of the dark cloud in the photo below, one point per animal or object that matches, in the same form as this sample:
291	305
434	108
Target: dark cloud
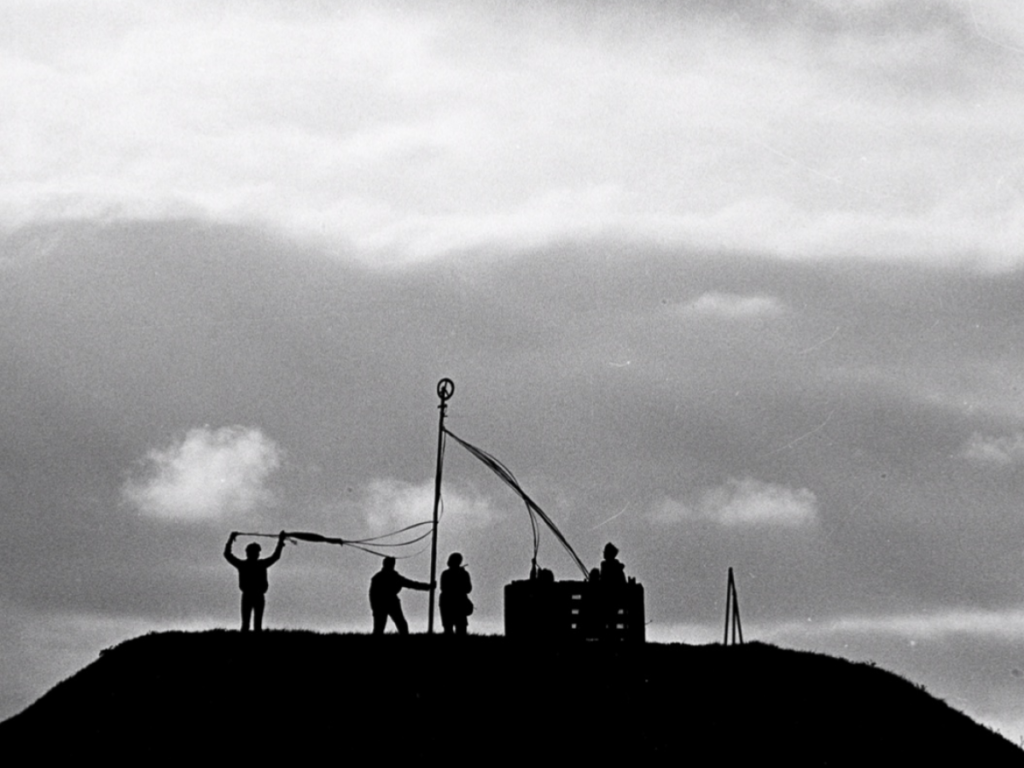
575	366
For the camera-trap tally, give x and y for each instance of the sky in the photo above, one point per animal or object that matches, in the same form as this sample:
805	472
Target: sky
730	284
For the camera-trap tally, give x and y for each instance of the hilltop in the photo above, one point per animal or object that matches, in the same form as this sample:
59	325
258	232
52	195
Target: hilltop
304	694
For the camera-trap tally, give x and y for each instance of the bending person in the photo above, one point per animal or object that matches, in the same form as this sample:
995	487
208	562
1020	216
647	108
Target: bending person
455	603
252	579
384	588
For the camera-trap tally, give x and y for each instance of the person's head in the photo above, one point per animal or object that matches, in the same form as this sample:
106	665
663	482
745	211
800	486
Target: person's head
388	564
454	560
252	551
610	551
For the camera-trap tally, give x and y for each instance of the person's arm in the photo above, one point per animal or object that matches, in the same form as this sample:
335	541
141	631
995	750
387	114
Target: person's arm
420	585
277	551
228	555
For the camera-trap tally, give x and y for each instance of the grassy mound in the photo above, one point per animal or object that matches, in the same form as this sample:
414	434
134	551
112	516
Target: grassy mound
304	695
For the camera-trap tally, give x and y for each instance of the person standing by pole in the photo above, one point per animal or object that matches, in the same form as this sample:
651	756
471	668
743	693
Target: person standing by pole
455	603
384	603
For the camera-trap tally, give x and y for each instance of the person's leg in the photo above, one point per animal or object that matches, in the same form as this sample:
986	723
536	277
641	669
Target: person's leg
246	612
399	618
380	620
258	604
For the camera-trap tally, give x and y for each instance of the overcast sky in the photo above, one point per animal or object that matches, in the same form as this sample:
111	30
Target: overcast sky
726	283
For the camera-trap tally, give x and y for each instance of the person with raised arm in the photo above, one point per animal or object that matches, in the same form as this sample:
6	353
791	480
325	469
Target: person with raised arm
252	579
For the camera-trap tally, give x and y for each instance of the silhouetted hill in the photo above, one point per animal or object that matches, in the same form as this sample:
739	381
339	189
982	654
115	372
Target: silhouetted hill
303	695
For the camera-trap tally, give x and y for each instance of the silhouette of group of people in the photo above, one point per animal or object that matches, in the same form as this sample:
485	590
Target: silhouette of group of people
385	585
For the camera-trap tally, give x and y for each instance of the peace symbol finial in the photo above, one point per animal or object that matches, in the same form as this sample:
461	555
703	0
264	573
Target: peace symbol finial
445	389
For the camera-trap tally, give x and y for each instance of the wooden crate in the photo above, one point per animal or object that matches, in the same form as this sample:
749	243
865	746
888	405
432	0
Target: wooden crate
574	611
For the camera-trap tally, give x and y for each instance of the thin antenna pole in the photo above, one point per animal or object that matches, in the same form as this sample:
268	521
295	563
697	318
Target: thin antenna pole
728	608
737	625
732	612
445	389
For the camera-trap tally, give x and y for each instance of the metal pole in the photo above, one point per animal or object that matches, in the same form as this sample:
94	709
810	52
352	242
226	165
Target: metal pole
732	613
445	389
737	625
728	607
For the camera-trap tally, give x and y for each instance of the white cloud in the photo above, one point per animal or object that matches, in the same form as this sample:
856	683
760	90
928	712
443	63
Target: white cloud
672	511
390	504
207	474
994	451
410	133
746	502
734	306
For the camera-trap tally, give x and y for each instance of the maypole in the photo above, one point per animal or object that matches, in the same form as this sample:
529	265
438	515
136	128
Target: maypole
445	389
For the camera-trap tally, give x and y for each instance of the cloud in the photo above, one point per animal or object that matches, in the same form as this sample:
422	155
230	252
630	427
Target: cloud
733	306
746	502
410	133
389	504
1002	451
208	474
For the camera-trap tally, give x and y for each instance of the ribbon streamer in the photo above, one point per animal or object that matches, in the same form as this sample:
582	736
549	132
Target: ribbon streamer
506	476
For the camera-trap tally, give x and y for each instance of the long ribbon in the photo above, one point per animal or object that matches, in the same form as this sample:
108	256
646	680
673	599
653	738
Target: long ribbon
365	545
506	476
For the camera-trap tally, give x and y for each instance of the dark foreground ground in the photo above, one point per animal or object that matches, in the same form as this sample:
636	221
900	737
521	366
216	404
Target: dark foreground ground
308	697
